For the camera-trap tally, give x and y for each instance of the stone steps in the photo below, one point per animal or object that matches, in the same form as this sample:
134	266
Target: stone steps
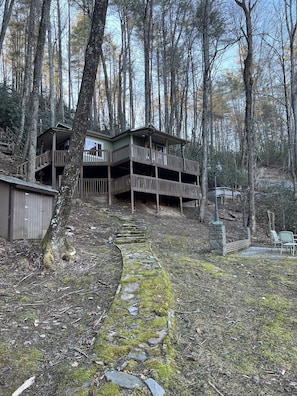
135	337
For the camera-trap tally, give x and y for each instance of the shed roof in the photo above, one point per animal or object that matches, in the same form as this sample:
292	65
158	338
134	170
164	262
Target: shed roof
28	186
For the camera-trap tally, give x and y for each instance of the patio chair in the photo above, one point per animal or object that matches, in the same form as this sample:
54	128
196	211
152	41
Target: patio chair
288	241
275	239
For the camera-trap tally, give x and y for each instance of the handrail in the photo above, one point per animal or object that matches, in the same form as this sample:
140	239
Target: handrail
41	161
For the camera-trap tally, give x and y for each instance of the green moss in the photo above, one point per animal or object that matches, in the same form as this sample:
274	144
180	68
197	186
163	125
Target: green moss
28	316
177	241
275	302
214	270
25	362
79	380
67	281
24	299
163	372
110	353
109	389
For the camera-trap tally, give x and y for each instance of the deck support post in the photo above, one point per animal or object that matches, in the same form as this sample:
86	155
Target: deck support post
54	171
157	192
180	197
81	182
181	205
109	184
132	191
132	201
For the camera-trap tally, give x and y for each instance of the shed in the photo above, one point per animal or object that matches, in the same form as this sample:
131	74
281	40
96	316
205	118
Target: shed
25	208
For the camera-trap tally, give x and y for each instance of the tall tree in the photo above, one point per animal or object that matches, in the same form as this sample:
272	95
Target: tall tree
55	245
37	75
205	8
27	76
248	6
210	26
8	6
291	23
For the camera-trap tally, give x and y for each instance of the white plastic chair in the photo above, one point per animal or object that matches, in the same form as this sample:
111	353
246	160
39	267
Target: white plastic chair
288	241
275	239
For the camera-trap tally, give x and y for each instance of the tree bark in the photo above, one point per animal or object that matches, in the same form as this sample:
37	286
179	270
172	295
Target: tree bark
27	78
249	117
5	20
45	14
55	244
205	109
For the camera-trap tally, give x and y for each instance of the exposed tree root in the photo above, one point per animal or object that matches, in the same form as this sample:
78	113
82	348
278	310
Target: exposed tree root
57	254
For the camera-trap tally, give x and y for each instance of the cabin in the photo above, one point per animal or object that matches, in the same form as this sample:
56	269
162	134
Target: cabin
138	164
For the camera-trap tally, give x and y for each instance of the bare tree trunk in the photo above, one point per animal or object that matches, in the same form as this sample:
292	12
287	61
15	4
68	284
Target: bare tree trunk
108	93
60	67
147	37
249	117
205	109
291	28
5	20
131	89
55	244
27	78
45	14
51	78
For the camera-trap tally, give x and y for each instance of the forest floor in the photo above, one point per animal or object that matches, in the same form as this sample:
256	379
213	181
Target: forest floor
235	318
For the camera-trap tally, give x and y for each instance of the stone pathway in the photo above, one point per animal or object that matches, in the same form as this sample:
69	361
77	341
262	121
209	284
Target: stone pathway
133	347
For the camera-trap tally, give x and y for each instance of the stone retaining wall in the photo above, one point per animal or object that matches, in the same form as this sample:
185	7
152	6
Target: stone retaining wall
217	239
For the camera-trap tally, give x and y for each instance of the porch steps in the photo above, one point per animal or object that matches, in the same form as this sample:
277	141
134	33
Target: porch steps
134	344
131	233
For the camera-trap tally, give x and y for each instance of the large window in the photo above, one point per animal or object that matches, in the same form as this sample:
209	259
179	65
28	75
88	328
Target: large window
93	147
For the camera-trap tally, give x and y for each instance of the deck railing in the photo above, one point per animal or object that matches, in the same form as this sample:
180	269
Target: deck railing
89	157
147	156
41	161
152	185
91	187
139	154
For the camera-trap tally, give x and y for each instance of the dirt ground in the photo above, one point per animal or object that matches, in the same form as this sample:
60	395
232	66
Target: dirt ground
235	319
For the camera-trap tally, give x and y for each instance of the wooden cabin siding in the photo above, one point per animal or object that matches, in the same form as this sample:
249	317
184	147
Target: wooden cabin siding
4	209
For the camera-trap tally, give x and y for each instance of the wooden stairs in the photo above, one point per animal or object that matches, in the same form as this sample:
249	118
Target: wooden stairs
41	162
8	139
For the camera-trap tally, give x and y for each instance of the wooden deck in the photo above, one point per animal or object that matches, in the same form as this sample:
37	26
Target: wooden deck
152	185
135	153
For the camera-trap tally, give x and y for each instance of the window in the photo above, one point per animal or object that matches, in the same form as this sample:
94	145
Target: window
93	148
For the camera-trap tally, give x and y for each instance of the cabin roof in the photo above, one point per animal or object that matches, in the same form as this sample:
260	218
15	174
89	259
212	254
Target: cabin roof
64	132
158	136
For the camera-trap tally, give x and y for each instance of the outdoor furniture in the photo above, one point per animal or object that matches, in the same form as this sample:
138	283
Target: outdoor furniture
275	239
288	241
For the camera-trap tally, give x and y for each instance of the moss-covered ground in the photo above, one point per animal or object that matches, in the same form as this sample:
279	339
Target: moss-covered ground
235	327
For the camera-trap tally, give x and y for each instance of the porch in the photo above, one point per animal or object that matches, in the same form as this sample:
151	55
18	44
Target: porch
152	185
134	153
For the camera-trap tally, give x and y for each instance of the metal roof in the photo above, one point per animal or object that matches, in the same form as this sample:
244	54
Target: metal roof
24	185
